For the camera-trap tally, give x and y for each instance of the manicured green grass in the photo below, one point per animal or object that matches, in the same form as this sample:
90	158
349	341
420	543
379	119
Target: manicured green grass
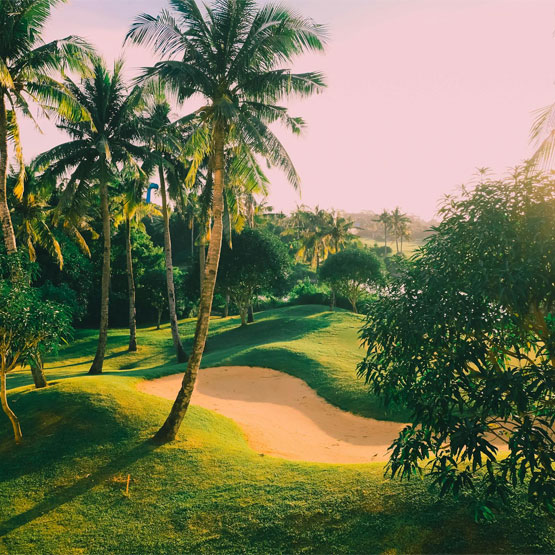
309	342
63	490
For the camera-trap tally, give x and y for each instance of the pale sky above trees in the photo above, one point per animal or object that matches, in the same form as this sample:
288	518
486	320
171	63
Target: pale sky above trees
421	92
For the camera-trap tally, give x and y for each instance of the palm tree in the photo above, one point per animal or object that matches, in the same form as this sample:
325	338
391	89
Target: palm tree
385	219
231	56
398	220
92	156
340	231
132	211
27	66
164	138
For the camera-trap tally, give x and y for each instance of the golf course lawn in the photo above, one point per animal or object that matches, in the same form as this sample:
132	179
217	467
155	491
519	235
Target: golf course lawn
63	490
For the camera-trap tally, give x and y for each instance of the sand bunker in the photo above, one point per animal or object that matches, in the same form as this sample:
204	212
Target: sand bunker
283	417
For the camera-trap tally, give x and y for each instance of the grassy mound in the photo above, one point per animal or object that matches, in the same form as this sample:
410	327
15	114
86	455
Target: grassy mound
63	491
309	342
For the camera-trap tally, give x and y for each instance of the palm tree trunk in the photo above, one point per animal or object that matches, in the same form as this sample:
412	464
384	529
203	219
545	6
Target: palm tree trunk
98	362
192	237
202	261
7	227
171	426
181	355
37	371
131	289
6	408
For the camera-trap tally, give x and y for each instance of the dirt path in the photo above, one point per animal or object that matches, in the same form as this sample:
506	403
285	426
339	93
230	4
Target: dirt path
282	416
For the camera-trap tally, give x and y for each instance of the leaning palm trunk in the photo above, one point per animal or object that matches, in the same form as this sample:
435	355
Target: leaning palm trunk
181	355
98	362
171	426
7	227
131	290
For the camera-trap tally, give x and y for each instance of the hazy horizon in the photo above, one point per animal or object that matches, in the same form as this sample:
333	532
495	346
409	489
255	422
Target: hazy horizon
420	94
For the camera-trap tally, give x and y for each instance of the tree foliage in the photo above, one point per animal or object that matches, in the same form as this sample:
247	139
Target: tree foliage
351	273
256	263
465	337
30	326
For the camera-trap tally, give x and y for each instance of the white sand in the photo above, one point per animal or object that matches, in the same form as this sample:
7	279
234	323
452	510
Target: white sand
283	417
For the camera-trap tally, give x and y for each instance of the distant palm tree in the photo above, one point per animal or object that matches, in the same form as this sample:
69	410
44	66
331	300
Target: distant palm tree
231	55
385	219
35	217
132	211
340	231
404	233
93	154
397	221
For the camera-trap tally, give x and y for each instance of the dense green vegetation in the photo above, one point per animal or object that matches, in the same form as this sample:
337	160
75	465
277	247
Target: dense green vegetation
209	491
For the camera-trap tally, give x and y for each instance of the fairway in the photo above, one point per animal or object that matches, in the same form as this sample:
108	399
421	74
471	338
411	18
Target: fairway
210	490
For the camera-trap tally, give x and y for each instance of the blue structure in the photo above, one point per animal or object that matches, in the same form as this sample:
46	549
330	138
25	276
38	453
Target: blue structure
151	187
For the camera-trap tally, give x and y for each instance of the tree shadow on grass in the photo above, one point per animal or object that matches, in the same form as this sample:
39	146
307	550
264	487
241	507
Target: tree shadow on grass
79	488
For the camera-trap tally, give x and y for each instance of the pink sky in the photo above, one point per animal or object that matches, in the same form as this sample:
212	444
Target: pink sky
421	93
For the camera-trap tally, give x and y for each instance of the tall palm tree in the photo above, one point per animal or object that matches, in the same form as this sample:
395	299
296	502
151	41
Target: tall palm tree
93	154
164	144
385	219
27	69
397	221
232	56
132	211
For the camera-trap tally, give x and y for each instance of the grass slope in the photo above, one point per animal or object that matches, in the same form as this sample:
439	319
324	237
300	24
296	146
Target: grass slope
310	342
63	490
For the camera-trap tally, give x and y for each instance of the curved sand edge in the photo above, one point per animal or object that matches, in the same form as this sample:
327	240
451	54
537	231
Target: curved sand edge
282	416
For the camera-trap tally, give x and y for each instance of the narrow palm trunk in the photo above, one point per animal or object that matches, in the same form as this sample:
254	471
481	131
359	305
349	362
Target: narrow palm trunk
171	426
181	355
397	243
192	238
7	227
98	362
202	261
37	371
131	289
401	243
6	407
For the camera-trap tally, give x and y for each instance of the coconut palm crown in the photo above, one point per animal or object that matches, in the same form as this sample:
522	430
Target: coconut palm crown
28	70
